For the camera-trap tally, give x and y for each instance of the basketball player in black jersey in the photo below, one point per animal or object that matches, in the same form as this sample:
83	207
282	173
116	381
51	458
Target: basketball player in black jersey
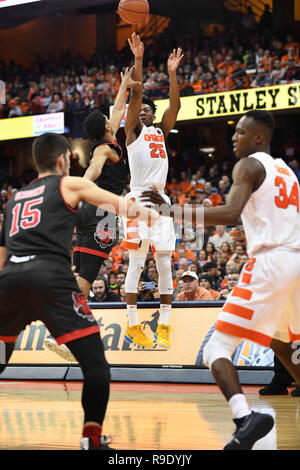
107	168
96	229
35	243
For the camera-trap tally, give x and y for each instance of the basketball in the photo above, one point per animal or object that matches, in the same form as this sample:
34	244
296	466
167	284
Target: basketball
133	11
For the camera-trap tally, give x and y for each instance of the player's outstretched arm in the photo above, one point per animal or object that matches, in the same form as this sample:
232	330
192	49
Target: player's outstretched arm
94	170
119	108
75	189
170	115
246	174
133	124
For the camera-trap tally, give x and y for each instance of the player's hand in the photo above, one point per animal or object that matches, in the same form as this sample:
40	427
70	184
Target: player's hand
175	59
238	236
126	78
136	46
224	293
153	196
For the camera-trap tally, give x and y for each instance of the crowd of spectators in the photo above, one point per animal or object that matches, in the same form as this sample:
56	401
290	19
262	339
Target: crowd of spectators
207	260
228	59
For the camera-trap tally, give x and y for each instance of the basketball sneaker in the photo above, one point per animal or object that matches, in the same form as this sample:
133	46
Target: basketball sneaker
250	429
162	335
60	349
273	389
134	334
86	443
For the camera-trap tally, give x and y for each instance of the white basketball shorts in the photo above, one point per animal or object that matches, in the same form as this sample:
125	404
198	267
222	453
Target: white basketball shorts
265	304
160	236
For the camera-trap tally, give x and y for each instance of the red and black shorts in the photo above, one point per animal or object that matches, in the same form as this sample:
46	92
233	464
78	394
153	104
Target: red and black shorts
95	238
44	290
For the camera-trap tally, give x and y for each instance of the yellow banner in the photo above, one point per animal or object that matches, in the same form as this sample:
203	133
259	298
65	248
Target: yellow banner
189	328
232	103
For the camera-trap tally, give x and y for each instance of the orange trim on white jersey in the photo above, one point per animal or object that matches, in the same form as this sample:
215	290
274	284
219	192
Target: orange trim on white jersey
129	245
244	333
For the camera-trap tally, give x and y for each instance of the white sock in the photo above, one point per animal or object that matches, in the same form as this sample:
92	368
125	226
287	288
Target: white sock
132	315
239	406
165	311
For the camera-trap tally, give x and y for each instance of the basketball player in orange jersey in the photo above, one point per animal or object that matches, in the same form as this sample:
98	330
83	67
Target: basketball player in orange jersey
264	307
148	163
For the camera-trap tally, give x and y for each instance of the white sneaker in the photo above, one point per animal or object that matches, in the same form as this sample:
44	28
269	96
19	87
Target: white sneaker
86	443
61	350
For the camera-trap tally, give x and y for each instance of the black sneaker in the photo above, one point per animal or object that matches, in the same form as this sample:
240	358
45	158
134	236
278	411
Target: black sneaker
273	389
86	443
250	429
296	392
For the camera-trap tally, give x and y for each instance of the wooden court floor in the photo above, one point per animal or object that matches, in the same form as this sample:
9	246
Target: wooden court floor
48	416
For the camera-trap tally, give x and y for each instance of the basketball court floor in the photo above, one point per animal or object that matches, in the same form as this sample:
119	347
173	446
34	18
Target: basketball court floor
140	416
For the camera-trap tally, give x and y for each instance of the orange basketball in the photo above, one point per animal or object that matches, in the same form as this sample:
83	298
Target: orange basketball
133	11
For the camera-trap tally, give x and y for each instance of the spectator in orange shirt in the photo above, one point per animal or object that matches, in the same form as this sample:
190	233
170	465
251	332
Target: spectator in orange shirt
113	75
196	83
195	186
292	54
226	65
172	187
182	252
221	82
215	198
117	254
238	78
291	42
191	288
184	189
267	61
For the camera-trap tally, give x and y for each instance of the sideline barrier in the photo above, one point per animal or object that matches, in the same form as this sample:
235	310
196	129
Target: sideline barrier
190	324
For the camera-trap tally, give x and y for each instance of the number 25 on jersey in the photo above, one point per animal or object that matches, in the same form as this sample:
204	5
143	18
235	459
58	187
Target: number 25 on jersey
157	150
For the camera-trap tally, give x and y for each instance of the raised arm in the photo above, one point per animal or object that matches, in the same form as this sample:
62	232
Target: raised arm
101	154
120	104
170	115
133	124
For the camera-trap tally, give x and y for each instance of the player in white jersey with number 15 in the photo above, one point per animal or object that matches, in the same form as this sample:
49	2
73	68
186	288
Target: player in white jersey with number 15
148	164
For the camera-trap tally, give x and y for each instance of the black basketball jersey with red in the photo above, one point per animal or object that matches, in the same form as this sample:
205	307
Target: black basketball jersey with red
39	221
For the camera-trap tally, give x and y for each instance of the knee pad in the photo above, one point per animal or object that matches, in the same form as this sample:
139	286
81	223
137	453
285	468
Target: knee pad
164	269
136	265
220	345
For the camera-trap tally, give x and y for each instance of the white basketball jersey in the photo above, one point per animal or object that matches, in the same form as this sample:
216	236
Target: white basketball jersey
271	216
148	160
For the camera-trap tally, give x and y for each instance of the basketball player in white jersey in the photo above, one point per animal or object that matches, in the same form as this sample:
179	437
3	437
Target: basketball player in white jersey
264	307
148	163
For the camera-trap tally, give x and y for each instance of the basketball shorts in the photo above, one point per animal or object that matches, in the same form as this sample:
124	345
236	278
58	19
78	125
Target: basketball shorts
160	236
95	238
265	304
45	290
